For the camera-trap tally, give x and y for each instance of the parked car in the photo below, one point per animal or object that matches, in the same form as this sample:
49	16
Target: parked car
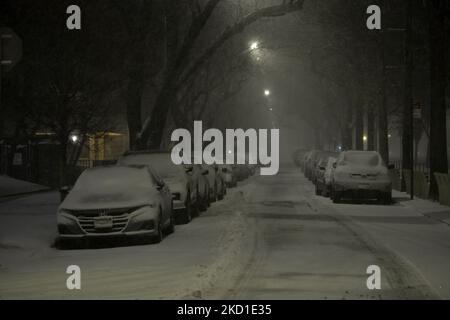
320	176
319	169
203	187
217	186
241	171
116	202
310	163
298	157
361	174
328	175
228	175
183	180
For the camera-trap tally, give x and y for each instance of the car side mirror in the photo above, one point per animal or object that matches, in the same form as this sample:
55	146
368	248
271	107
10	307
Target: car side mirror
64	191
160	185
391	166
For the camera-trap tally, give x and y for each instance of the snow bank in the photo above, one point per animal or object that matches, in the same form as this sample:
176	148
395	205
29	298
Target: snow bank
10	186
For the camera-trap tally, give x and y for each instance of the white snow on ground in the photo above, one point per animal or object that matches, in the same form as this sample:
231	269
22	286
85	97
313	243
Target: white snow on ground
10	186
411	230
188	264
271	238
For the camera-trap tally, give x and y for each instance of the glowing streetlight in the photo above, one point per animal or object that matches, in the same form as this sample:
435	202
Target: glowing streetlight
267	93
254	45
365	138
74	138
271	109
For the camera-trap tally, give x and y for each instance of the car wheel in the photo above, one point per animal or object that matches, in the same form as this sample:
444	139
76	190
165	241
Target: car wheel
186	217
159	232
385	198
171	227
223	192
202	203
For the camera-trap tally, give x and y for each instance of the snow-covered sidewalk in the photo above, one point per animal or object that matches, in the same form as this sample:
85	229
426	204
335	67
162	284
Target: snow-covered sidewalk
11	187
429	209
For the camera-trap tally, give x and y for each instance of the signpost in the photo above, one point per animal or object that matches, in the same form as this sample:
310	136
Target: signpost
10	53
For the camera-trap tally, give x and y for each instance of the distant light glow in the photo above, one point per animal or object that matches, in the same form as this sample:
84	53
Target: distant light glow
74	138
267	93
339	148
270	109
389	136
254	45
365	138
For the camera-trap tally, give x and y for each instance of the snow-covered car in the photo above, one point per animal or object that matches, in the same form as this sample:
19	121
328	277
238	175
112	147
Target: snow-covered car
228	176
116	202
298	156
320	176
183	180
361	174
319	169
241	171
328	176
203	187
216	184
310	163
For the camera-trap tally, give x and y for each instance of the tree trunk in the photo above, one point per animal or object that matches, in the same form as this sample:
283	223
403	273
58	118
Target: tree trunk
407	134
346	130
133	102
183	69
359	127
383	134
370	129
438	126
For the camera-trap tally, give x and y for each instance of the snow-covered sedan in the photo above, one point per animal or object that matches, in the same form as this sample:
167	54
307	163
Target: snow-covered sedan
216	184
117	201
228	175
361	174
182	180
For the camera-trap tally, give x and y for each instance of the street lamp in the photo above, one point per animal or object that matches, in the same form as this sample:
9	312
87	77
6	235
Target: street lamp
365	138
267	93
74	138
254	45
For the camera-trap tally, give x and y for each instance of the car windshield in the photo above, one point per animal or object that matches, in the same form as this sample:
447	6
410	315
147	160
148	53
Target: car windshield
111	186
160	162
368	159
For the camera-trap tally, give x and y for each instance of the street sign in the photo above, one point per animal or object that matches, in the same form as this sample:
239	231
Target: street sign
10	49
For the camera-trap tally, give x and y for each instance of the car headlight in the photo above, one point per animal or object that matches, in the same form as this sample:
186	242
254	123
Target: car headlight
67	224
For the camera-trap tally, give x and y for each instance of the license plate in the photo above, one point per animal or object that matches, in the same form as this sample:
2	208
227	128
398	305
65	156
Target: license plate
363	186
103	223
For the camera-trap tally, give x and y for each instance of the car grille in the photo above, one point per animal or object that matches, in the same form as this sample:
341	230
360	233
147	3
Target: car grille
119	222
87	218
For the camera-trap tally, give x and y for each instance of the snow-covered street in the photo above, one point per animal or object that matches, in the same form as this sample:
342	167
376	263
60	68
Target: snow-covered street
271	238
